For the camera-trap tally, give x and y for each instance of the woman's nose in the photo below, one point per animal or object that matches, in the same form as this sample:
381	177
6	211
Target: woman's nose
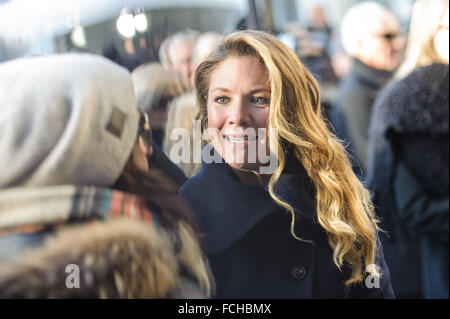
239	114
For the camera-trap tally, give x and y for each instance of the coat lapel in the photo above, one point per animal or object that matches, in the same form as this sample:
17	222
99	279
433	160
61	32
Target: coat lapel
230	208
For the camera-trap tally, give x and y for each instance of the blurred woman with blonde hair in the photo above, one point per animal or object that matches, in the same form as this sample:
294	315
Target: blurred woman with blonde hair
181	114
427	40
155	87
408	158
303	228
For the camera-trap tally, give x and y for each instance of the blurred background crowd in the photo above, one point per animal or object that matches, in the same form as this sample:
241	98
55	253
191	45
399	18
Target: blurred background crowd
360	52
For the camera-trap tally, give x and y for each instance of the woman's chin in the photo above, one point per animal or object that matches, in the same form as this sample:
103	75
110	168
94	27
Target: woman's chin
240	159
243	166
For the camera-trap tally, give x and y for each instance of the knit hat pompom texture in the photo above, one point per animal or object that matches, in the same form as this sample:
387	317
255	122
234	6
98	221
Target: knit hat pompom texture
65	119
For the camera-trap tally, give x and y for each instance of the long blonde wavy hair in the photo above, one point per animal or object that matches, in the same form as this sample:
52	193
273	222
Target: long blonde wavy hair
344	208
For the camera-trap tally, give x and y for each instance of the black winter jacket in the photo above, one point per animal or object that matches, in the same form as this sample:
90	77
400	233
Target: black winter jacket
408	174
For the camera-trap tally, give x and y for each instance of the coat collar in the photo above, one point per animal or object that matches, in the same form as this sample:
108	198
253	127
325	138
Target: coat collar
371	77
227	208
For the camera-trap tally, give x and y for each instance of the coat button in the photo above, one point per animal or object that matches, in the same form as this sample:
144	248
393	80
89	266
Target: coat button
298	272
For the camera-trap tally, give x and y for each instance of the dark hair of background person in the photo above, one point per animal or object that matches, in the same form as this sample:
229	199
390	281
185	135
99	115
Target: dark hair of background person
160	161
159	192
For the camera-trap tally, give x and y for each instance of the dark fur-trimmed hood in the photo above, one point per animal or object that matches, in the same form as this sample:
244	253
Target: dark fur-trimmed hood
419	102
416	108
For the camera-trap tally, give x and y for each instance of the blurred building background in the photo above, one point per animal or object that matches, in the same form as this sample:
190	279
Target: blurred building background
29	27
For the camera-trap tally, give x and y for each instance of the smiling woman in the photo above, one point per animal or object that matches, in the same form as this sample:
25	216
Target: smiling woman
238	106
253	81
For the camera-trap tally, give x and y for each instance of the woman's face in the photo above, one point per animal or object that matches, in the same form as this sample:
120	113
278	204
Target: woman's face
141	151
238	105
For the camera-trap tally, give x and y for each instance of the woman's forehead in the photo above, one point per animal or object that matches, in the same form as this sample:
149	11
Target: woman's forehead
244	71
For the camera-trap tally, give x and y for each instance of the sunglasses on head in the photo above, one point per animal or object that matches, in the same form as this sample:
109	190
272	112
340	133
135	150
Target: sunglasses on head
145	130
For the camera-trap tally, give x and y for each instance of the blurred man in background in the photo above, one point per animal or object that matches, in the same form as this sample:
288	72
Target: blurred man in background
205	44
179	52
371	34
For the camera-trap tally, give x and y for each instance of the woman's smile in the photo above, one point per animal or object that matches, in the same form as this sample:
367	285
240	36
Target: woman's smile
238	107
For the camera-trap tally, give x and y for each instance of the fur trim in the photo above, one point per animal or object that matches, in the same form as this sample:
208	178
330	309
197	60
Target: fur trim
418	103
193	259
118	258
415	106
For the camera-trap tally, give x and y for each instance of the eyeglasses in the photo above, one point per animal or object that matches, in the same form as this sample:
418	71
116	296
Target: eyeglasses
145	130
389	36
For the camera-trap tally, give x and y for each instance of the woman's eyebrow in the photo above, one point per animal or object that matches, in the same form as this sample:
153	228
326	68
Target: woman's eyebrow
220	89
259	90
251	92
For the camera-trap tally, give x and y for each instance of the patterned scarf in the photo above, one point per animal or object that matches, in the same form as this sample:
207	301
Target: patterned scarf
36	208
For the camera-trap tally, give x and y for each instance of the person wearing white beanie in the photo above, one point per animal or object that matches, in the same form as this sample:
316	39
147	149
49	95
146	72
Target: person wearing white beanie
59	125
76	192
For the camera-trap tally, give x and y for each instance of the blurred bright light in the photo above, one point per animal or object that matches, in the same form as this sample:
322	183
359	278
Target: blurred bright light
287	39
140	22
125	25
78	37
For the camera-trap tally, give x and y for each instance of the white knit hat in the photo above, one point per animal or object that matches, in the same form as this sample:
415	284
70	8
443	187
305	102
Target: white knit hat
65	119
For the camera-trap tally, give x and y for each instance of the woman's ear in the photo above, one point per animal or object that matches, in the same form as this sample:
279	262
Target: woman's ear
146	149
141	152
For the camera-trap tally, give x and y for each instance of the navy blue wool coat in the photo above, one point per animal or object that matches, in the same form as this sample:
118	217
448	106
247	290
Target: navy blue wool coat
247	238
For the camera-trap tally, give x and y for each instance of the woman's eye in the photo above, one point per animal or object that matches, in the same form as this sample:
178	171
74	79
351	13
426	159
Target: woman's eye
260	100
222	99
